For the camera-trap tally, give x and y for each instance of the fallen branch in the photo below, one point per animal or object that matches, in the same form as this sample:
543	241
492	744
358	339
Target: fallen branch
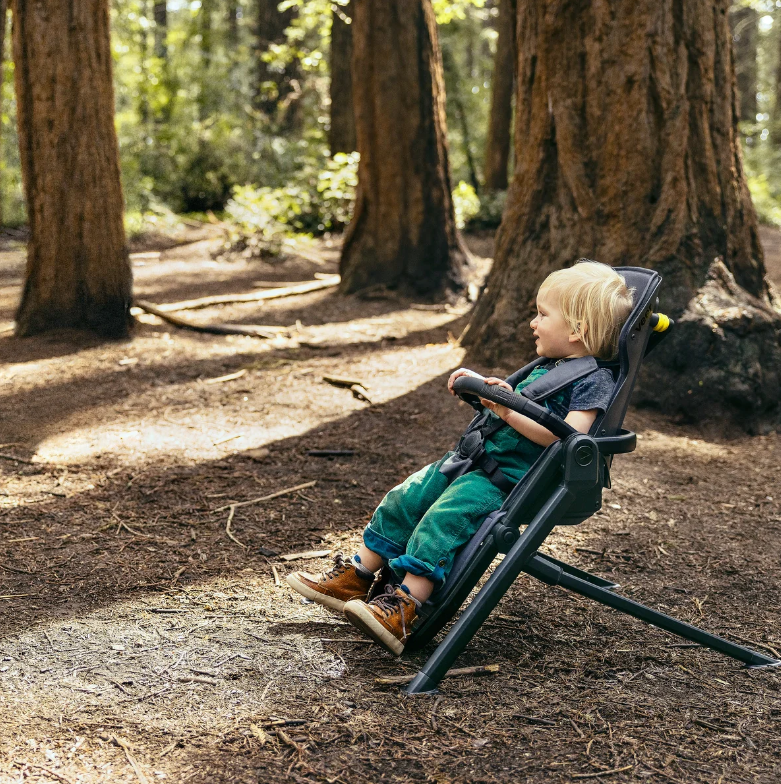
484	669
251	330
267	497
255	296
228	527
16	459
360	392
305	556
342	381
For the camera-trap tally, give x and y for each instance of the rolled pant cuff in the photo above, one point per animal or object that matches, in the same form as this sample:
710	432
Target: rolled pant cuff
408	563
377	543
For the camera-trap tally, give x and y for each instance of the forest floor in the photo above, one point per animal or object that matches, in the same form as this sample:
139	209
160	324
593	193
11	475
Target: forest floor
139	641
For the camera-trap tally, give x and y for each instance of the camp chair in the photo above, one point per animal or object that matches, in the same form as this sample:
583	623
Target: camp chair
563	487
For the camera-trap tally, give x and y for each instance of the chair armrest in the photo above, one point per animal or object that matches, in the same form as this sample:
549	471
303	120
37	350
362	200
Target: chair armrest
624	441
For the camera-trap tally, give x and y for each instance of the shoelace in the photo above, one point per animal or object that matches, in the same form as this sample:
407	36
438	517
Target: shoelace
389	601
339	566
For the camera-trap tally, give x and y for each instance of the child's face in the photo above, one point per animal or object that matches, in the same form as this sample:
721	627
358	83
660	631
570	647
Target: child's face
554	338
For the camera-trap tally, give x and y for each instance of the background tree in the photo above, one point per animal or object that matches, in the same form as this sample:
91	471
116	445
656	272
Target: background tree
3	22
78	272
744	25
627	152
497	153
403	230
341	134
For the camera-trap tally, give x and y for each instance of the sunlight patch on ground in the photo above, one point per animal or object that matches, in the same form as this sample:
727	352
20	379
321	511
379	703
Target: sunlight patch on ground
195	421
170	665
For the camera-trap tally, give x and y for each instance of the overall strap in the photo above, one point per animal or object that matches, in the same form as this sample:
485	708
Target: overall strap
559	378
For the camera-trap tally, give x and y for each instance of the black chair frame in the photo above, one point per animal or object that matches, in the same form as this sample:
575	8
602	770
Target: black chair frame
564	487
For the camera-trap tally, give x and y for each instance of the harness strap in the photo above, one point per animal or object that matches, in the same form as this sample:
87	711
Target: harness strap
495	474
559	377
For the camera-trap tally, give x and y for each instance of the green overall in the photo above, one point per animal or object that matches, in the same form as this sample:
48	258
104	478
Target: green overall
421	524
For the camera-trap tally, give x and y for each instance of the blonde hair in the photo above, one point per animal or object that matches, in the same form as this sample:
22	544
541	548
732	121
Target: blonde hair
594	301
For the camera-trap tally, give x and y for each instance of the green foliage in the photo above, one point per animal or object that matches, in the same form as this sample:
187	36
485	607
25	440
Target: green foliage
316	201
449	10
466	204
489	216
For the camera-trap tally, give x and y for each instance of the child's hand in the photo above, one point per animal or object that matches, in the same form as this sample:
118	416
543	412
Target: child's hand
457	374
498	409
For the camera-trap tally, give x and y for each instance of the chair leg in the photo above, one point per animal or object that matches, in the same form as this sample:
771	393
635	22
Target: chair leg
542	563
427	680
662	621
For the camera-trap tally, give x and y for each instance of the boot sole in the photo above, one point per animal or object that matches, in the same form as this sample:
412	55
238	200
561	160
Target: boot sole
361	616
327	601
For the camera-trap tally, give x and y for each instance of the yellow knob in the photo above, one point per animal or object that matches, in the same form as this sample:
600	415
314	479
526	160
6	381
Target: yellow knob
662	322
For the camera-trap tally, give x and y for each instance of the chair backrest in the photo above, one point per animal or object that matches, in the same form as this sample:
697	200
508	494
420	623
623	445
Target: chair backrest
632	343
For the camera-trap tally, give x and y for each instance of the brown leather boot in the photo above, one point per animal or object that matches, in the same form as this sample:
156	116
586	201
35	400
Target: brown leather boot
388	619
334	587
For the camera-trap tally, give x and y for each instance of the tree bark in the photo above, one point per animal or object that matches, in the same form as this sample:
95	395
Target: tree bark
402	234
273	86
160	14
627	152
78	271
497	150
3	22
744	26
341	135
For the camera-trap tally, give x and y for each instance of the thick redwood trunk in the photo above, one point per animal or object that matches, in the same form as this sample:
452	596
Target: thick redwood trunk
497	150
341	136
78	272
744	25
403	229
3	21
626	152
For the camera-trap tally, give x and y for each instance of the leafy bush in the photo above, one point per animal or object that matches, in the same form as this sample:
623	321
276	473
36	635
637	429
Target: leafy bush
466	204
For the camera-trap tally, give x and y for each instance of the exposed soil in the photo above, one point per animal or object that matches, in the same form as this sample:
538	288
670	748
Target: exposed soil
141	642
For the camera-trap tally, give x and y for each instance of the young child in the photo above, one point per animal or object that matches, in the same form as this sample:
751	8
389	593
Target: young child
421	524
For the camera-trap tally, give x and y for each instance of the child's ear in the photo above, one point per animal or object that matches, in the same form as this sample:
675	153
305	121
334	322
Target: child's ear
578	333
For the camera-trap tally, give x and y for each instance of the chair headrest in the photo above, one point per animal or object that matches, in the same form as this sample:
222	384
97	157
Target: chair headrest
632	343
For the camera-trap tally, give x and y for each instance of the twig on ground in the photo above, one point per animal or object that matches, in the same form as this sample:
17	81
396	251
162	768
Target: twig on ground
601	773
330	452
225	440
229	377
534	719
278	493
305	555
52	773
432	718
14	569
228	527
131	759
360	393
483	669
277	581
342	381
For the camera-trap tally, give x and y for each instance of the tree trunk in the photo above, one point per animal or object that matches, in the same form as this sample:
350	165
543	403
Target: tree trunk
341	136
497	150
274	86
3	22
744	26
206	95
776	127
160	12
403	229
627	152
78	271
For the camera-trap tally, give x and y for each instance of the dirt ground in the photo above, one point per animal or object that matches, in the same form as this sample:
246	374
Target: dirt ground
142	641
